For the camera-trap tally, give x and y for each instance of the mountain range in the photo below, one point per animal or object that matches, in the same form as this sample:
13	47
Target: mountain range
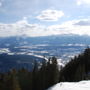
64	47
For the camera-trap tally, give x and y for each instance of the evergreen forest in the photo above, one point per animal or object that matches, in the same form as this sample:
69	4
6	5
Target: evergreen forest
47	74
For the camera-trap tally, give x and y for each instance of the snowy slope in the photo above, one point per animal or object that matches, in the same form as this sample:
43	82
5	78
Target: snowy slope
82	85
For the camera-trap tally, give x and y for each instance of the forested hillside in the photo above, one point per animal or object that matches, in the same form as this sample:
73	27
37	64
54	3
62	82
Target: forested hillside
40	78
78	68
47	74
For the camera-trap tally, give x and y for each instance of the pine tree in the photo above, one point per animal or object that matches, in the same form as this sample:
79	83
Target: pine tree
52	72
25	79
42	77
55	70
35	76
13	83
80	73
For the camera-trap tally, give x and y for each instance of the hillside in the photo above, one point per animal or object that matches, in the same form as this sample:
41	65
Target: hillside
77	68
48	73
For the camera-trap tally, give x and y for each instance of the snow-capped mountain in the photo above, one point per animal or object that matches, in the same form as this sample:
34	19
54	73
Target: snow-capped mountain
61	46
64	47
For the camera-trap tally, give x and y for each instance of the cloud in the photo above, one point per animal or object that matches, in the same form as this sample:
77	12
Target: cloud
70	27
84	22
23	28
50	15
80	2
19	8
0	4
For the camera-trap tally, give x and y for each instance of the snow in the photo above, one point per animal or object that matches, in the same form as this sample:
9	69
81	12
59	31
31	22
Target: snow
60	62
82	85
4	50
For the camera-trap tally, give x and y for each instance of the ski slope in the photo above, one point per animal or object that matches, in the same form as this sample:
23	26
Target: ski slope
82	85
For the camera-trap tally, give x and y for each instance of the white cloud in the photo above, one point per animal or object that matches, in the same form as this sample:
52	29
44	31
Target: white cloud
78	27
83	22
0	4
80	2
22	27
50	15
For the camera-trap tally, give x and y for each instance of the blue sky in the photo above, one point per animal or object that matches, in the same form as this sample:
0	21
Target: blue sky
48	16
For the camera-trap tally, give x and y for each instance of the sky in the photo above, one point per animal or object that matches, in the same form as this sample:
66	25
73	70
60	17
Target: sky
44	17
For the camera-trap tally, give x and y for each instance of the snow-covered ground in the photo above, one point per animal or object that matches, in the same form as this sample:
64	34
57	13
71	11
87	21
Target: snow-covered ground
82	85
